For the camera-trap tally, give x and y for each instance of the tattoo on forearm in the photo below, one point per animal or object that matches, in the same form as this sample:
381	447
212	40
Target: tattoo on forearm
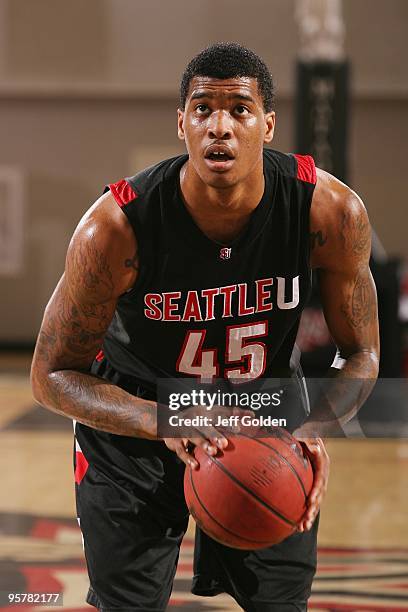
97	403
100	404
317	239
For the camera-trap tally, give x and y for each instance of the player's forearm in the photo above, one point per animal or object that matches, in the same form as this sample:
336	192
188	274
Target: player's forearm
351	384
97	403
348	385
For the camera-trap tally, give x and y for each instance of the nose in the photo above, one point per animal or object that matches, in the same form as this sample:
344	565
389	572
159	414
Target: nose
220	125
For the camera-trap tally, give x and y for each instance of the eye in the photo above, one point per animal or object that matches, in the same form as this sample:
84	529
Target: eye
241	109
201	108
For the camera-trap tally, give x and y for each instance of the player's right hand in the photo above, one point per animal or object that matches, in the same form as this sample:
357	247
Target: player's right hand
209	438
183	447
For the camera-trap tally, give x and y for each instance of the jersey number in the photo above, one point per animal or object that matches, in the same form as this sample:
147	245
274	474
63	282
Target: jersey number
248	356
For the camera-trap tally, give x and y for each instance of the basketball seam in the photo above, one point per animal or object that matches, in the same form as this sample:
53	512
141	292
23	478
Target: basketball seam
283	458
259	499
237	535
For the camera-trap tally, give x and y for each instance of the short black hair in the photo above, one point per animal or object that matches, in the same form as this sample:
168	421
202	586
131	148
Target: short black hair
225	61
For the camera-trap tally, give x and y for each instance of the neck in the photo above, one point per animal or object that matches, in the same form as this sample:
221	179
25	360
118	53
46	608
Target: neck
221	214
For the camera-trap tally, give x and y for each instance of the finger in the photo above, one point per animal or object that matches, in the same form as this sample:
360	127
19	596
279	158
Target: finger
305	526
220	441
310	512
315	496
313	506
205	444
182	453
312	448
214	435
320	462
318	489
306	522
310	519
316	450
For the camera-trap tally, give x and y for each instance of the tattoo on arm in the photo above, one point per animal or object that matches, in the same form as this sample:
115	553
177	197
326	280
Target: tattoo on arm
100	404
317	239
74	326
349	300
90	269
361	307
356	233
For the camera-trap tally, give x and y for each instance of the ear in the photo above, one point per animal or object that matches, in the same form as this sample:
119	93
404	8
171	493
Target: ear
180	124
269	127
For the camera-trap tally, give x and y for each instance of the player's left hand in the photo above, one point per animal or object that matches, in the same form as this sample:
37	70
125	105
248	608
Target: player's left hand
320	461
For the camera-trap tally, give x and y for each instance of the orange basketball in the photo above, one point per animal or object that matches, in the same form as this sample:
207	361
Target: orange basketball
253	493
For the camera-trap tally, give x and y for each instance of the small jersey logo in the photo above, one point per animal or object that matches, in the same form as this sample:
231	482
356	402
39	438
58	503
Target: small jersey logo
225	253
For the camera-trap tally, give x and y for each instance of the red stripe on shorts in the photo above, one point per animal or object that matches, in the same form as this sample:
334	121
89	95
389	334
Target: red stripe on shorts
81	466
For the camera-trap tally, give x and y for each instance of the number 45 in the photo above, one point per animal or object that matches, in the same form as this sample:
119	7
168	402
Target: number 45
248	356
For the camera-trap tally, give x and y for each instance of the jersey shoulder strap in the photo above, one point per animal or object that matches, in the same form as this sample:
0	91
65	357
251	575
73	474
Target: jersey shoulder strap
127	190
299	167
138	194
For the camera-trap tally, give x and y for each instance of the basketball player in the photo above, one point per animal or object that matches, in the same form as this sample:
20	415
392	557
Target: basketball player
176	272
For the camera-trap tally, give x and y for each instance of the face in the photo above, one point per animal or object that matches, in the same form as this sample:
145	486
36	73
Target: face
225	127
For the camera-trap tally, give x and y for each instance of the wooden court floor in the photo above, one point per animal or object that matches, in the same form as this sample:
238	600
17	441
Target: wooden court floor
363	541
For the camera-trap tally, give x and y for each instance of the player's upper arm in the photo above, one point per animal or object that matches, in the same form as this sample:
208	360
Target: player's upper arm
101	264
340	249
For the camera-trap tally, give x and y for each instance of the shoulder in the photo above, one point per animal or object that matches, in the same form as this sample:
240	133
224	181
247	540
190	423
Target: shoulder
104	240
339	225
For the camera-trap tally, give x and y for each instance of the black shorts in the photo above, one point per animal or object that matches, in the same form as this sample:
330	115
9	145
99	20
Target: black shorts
133	517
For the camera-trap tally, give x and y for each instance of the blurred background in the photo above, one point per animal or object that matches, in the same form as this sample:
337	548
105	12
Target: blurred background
88	94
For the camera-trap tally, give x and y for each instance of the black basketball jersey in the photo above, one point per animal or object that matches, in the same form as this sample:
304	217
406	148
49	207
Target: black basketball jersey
204	309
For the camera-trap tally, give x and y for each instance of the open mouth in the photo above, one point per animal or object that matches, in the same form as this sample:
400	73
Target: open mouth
219	157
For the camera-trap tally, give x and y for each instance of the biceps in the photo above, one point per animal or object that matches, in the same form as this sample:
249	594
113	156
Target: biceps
350	308
72	331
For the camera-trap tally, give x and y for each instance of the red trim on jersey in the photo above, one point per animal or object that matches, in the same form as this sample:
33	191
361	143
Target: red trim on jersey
306	170
100	356
81	466
122	192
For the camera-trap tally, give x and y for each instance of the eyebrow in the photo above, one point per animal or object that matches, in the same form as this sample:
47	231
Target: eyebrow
204	94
